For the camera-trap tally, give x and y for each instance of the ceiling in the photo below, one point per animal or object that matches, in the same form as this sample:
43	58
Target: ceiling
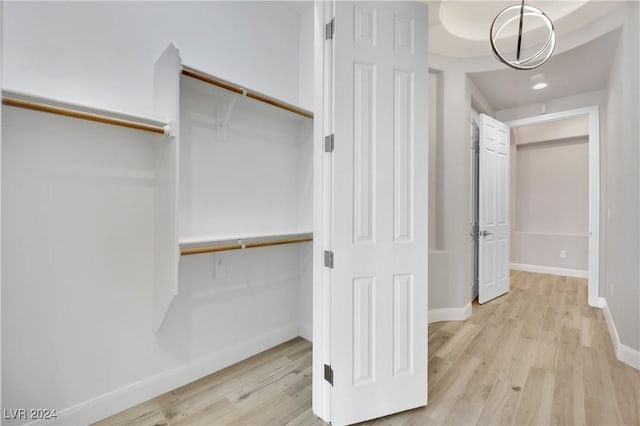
460	29
583	69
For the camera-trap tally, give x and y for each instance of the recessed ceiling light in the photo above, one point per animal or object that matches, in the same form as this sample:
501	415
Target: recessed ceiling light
537	82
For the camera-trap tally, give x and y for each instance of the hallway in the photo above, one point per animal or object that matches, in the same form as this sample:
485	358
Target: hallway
538	355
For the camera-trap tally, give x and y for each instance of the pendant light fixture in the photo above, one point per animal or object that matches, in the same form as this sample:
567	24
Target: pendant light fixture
506	18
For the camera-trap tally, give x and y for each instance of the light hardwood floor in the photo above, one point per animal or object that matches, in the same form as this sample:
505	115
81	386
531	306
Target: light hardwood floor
536	356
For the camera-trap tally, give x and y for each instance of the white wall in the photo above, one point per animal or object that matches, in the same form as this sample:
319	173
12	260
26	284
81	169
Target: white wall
448	282
77	266
554	130
78	203
552	187
595	98
450	267
435	150
540	252
245	179
305	54
552	204
305	220
102	53
621	288
450	278
479	102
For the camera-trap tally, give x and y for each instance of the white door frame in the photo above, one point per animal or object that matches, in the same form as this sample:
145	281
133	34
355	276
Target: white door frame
322	124
594	186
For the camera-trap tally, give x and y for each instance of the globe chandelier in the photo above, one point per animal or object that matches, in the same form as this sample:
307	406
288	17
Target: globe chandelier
507	18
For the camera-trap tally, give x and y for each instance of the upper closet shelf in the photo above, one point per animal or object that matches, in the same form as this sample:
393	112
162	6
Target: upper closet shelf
214	243
208	78
84	112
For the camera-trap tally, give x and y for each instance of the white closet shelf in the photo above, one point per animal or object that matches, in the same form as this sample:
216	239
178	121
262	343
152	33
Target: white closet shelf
214	243
84	112
233	87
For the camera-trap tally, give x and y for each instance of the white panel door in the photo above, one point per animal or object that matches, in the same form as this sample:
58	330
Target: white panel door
494	209
379	218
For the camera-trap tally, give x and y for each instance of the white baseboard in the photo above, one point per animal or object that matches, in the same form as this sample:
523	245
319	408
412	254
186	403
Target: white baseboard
576	273
449	314
629	356
624	353
120	399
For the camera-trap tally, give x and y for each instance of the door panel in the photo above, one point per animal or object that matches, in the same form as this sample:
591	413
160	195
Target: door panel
379	210
494	209
364	149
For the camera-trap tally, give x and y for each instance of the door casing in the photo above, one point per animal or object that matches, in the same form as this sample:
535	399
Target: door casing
593	113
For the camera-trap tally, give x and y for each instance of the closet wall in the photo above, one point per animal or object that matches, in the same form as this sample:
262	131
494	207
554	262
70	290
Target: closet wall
78	200
552	205
100	52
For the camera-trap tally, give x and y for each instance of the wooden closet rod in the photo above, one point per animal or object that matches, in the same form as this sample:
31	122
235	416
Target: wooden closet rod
238	246
67	112
207	78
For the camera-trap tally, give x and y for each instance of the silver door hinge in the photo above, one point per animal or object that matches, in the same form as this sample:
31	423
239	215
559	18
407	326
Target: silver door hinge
329	29
328	374
328	143
328	259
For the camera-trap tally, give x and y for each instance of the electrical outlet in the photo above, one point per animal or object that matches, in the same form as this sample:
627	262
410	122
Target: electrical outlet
563	254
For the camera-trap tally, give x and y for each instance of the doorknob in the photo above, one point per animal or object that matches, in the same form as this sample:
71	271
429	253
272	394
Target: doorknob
485	233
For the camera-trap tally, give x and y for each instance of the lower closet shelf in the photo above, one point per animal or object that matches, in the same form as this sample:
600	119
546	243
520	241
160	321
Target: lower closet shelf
212	244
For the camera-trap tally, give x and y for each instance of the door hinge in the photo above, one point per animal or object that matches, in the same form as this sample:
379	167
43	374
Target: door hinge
328	374
329	29
328	259
475	231
328	143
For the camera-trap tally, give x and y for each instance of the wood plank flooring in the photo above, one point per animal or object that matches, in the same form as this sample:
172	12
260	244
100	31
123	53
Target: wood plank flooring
536	356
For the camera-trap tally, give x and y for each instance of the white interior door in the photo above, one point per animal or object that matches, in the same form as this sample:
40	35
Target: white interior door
379	210
494	209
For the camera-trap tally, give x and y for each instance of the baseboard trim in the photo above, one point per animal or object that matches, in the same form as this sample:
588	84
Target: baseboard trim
575	273
449	314
624	353
96	409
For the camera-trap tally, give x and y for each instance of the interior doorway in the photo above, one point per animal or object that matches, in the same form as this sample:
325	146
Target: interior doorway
550	197
592	114
593	258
